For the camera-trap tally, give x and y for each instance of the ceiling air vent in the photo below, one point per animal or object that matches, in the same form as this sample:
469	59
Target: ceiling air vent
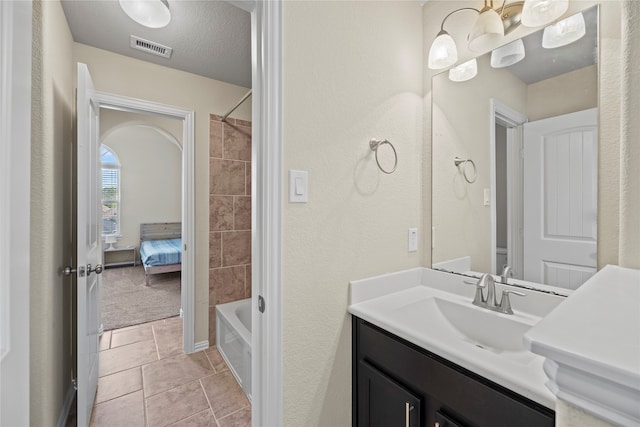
150	47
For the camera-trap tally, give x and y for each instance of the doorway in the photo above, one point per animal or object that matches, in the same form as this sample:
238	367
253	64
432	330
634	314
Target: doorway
141	158
186	118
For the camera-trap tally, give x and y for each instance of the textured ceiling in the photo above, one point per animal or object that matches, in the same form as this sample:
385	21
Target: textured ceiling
210	38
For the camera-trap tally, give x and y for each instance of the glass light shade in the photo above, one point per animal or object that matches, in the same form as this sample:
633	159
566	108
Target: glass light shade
443	52
150	13
536	13
564	32
465	71
486	31
508	54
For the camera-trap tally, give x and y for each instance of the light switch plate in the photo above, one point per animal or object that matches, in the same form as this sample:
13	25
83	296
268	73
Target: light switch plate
298	186
413	240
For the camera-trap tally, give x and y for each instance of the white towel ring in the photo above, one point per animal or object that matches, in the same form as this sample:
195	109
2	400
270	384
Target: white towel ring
374	144
457	162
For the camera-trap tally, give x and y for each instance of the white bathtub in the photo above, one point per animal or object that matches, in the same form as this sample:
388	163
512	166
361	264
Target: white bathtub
233	339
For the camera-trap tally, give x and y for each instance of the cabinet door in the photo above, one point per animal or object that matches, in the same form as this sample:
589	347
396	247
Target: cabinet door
383	402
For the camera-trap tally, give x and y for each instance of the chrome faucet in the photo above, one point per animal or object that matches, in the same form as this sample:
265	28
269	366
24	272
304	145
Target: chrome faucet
506	273
490	302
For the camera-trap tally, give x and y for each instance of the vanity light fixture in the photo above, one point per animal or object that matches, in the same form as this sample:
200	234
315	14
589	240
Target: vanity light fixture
537	13
490	26
487	30
508	54
564	32
465	71
149	13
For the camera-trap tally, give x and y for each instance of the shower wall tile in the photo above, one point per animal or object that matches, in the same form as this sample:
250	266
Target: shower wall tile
236	248
221	213
227	177
229	214
237	142
215	139
247	281
242	213
226	285
215	250
248	179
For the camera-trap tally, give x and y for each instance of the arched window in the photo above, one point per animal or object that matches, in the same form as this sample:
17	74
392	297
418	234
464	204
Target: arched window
110	191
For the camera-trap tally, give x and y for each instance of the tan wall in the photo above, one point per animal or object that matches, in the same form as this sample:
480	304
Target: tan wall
230	215
548	98
52	360
130	77
150	179
352	71
461	124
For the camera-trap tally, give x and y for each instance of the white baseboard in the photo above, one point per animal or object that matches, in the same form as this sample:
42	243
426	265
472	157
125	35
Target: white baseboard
202	345
66	406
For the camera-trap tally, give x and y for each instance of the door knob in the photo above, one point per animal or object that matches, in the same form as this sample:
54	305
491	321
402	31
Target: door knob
68	271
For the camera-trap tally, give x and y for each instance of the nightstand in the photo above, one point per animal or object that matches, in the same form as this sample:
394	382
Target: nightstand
132	249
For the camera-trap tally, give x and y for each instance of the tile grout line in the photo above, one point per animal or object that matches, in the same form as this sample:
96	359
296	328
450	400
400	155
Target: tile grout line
236	411
208	401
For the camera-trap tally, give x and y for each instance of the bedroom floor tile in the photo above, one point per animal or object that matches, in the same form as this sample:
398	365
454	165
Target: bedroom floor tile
137	389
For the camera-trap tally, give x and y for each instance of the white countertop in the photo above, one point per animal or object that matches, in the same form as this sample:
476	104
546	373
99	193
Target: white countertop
592	343
395	302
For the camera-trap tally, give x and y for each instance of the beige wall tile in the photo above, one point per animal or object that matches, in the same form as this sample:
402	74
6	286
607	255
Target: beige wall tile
247	281
221	213
215	138
248	178
227	177
237	142
236	248
215	250
212	321
226	285
242	213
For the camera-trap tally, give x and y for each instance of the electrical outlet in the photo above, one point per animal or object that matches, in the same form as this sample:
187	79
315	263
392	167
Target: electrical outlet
413	239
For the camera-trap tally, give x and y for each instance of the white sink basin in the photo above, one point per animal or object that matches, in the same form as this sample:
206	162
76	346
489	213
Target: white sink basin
434	311
484	328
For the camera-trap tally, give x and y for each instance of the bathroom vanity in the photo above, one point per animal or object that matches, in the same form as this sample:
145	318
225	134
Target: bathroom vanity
396	383
424	355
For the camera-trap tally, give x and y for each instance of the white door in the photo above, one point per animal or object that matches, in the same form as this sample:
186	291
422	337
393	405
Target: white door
89	244
560	205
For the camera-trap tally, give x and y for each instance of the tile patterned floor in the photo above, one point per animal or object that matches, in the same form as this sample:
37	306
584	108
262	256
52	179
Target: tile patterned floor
146	380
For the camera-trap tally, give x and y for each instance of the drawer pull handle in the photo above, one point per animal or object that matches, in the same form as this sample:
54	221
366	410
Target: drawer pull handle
407	408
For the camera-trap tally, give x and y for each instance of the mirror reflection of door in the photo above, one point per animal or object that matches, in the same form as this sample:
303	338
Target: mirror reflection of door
560	203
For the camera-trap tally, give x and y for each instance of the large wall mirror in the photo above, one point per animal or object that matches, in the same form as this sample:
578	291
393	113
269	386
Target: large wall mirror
515	161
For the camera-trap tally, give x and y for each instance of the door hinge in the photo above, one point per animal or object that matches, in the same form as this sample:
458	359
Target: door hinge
261	304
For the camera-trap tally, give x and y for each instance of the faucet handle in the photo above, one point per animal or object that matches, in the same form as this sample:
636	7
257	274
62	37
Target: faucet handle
505	302
478	298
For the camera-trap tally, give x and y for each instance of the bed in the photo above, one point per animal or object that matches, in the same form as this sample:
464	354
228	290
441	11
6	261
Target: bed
160	248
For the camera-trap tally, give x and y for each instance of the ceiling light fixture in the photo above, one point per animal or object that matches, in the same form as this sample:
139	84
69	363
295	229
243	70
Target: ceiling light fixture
564	32
537	13
149	13
465	71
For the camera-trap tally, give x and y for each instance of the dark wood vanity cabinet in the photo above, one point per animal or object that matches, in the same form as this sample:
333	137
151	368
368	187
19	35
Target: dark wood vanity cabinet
396	383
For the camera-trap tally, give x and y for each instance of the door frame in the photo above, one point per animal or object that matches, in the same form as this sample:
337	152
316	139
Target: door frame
500	114
266	221
15	189
140	106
